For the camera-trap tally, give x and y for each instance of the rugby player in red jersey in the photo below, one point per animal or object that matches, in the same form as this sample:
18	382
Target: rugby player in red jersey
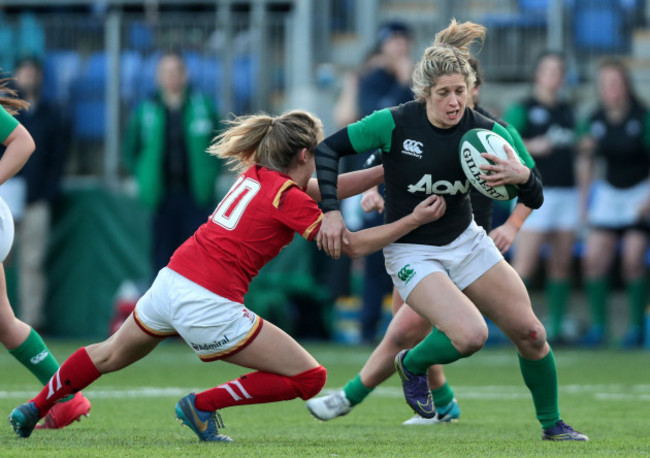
200	294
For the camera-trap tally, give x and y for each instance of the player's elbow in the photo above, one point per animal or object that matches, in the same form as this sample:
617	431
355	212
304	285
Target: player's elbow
353	247
352	251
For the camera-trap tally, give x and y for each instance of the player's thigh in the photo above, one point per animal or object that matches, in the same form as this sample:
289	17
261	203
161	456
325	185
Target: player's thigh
273	350
502	297
443	305
599	252
635	246
526	255
397	301
126	346
559	265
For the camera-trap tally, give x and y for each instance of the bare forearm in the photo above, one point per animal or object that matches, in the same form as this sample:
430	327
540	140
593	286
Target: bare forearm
367	241
518	216
351	183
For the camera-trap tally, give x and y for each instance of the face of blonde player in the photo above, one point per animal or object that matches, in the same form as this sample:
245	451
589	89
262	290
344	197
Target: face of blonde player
447	100
611	87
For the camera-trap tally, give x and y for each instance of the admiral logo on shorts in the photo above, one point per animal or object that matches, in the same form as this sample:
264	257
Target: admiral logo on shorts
412	148
406	273
214	345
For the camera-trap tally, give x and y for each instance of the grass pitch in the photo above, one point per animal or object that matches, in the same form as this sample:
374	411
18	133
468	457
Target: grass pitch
605	394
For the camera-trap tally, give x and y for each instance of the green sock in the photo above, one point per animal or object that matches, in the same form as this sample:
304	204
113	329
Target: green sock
637	293
35	356
597	294
436	348
557	294
541	379
443	395
356	391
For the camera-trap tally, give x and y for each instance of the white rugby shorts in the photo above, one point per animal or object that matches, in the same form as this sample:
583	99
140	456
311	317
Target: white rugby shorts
558	213
215	327
464	260
6	230
617	208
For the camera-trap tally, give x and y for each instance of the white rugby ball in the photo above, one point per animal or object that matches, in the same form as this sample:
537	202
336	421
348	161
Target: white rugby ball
475	142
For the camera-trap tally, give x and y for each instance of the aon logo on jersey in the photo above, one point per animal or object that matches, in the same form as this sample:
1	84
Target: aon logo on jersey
439	187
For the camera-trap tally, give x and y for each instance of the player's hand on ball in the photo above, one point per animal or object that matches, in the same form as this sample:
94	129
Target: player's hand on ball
510	171
430	209
372	200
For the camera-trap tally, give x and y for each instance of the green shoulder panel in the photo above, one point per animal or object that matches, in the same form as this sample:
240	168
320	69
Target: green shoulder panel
7	124
372	132
516	115
520	147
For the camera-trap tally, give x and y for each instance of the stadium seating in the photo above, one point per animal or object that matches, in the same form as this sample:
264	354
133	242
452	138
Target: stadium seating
601	26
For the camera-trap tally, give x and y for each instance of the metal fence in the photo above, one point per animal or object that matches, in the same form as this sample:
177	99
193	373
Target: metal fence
252	55
98	67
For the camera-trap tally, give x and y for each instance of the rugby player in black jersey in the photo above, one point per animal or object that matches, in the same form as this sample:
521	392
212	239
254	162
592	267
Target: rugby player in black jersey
618	133
407	328
449	271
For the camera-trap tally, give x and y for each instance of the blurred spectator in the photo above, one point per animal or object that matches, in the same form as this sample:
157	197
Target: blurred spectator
35	187
164	148
618	133
546	123
383	81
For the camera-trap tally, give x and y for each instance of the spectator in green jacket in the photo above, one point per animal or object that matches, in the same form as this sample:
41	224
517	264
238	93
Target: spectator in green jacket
164	149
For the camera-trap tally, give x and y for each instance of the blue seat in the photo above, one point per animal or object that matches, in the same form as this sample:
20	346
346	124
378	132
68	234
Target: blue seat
89	118
141	36
211	75
60	68
601	26
130	68
146	80
244	69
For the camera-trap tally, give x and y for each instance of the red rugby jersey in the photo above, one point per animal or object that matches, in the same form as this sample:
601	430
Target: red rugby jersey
249	227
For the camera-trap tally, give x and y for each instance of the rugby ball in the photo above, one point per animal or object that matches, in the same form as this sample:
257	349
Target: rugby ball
475	142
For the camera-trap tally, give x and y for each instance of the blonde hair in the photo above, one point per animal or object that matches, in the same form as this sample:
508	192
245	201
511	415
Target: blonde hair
268	141
448	55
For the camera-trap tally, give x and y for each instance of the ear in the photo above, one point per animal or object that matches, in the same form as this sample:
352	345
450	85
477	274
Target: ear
303	155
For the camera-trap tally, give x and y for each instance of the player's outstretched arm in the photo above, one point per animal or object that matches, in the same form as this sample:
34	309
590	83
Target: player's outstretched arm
367	241
351	183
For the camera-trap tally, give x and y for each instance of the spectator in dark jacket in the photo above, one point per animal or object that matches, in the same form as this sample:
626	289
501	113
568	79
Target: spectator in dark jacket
40	178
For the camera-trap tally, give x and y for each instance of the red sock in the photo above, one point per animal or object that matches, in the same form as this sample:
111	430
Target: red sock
76	373
253	388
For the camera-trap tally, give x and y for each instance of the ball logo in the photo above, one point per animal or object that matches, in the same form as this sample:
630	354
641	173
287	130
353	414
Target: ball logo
412	148
473	171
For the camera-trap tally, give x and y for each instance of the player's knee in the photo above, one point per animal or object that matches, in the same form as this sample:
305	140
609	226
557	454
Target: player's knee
536	335
309	383
531	336
471	340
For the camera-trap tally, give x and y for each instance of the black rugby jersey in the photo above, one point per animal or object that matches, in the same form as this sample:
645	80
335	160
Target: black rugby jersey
420	159
533	119
625	146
